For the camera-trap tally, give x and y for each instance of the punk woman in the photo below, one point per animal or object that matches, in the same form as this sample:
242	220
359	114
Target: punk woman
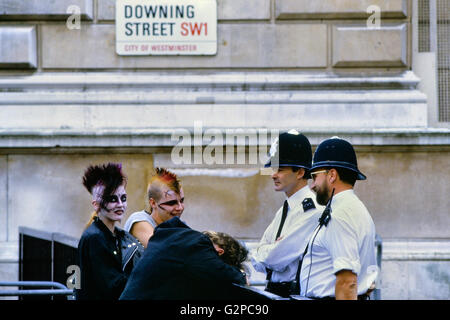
106	253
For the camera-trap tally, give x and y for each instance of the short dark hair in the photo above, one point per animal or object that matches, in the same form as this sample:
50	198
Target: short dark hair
305	175
347	176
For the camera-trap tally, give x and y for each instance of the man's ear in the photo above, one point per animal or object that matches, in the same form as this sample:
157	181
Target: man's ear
219	250
301	173
152	202
333	175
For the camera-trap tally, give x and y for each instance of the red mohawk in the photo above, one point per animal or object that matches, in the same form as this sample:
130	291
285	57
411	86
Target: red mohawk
168	178
162	177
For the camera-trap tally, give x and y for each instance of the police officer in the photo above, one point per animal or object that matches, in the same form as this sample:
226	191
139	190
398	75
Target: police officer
340	261
285	239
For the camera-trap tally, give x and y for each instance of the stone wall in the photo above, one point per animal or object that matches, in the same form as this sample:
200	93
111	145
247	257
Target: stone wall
299	34
68	100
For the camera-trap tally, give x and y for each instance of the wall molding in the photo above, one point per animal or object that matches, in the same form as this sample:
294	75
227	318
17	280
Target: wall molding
73	110
393	250
126	140
217	81
416	249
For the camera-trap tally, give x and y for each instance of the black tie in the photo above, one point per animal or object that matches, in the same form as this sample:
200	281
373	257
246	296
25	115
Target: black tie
283	218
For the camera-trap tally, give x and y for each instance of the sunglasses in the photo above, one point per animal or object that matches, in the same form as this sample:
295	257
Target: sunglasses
313	174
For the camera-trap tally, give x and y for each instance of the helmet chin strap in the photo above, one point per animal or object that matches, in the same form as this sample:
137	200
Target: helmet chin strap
326	215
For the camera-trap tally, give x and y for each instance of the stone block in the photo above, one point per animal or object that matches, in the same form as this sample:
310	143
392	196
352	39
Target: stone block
9	253
239	46
243	10
425	203
226	10
9	266
331	9
106	10
42	116
415	280
18	47
44	9
359	46
9	271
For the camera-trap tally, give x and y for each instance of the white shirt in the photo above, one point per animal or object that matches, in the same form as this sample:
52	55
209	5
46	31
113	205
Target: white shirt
283	256
348	242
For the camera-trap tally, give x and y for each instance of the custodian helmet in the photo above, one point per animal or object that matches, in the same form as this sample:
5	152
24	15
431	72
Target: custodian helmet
336	152
291	149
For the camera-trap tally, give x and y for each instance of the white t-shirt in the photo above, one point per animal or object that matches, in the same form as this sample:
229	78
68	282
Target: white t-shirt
346	243
138	217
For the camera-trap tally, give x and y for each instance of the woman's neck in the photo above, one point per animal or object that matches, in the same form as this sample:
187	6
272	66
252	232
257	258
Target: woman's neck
108	223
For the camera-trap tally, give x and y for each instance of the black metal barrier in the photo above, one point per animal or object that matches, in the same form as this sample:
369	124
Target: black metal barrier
45	257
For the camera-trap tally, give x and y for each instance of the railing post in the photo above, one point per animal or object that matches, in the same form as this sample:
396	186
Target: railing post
379	245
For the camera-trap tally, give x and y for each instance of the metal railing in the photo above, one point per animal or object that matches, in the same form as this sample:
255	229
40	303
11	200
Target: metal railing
44	258
61	290
376	294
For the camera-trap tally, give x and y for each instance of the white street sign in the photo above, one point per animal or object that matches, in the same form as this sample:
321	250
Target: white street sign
166	27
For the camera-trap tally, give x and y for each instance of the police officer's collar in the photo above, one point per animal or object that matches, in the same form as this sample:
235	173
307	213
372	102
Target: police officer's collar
341	195
297	198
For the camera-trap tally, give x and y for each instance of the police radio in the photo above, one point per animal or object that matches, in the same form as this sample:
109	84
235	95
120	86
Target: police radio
326	215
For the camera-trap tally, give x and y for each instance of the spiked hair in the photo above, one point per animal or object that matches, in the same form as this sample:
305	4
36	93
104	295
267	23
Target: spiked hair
108	176
161	177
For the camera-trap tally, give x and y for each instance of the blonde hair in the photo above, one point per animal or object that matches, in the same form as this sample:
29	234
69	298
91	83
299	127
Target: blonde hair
91	219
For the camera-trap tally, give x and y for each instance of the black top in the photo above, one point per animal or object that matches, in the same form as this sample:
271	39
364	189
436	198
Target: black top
181	264
100	262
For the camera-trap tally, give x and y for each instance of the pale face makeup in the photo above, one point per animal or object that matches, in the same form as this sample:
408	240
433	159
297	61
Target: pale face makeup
115	207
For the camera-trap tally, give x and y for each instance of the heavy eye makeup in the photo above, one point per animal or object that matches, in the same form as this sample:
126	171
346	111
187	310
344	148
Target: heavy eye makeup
113	198
172	202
